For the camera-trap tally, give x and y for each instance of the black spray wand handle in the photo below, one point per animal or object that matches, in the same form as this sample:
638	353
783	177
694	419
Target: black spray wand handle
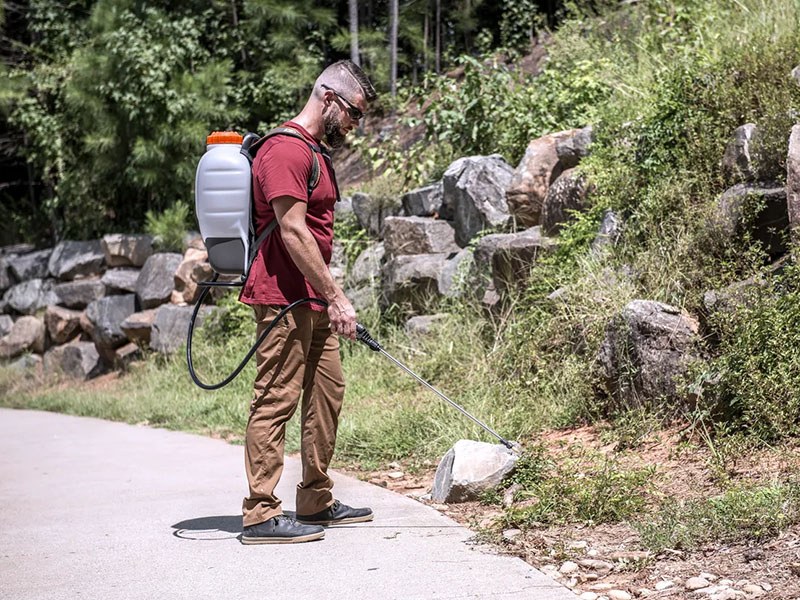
362	335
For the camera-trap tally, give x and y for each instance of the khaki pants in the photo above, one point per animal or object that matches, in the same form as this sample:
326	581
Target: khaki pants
299	359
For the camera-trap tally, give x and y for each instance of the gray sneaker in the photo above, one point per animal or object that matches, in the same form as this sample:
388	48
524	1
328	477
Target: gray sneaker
281	530
337	514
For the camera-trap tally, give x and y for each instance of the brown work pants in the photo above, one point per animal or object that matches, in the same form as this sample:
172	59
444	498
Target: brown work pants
299	359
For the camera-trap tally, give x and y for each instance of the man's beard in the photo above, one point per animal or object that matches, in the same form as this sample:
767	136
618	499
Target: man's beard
333	130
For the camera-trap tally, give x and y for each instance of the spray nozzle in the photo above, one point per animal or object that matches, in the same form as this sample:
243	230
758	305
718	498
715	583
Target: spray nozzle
362	335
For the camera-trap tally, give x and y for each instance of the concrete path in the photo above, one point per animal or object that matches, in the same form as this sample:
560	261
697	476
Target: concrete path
94	509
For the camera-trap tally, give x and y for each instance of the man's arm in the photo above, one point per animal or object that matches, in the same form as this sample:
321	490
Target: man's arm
302	247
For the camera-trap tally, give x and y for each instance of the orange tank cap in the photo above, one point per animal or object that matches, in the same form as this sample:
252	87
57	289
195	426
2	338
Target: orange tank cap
224	137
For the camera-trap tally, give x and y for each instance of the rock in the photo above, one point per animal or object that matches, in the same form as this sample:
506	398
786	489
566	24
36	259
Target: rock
595	564
454	275
618	595
510	535
138	325
751	554
78	360
126	354
664	585
62	323
372	211
6	323
120	281
514	257
796	74
27	363
29	266
71	259
588	596
541	165
423	202
343	207
793	183
171	325
186	288
122	250
469	468
739	162
156	280
760	209
566	194
79	293
568	567
367	266
753	590
16	249
418	235
6	281
106	315
27	335
646	347
609	232
362	298
412	281
474	192
28	297
696	583
724	595
423	324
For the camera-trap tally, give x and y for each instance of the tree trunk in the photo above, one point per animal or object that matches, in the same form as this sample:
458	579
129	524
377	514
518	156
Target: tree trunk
438	36
394	17
354	55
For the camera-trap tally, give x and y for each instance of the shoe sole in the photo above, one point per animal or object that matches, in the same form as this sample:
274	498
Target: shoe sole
332	522
283	540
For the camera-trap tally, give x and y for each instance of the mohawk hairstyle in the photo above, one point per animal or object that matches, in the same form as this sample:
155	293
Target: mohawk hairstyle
348	77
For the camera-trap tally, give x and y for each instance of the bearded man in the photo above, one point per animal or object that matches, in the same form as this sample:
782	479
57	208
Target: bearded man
299	361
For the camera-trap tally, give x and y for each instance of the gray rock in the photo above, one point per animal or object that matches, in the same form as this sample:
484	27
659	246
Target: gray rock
571	149
120	281
157	279
474	190
106	315
171	326
27	335
567	193
455	274
6	323
29	266
343	207
412	281
6	280
739	159
423	202
28	297
137	327
367	267
609	232
796	74
793	183
78	360
423	324
371	212
79	293
125	355
418	235
760	209
645	348
469	468
16	249
27	364
71	259
362	298
123	250
62	323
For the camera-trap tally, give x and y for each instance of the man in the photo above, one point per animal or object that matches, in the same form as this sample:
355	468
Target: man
300	357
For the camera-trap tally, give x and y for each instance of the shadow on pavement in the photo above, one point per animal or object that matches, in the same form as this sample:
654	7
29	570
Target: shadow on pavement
209	528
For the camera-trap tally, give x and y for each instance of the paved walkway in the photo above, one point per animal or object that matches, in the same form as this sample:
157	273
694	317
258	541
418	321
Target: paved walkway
95	509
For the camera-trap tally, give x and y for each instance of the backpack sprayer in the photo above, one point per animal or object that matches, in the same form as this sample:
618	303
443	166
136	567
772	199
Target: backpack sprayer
224	208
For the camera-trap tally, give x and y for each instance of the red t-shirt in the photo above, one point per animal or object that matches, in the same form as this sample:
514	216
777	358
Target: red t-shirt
281	168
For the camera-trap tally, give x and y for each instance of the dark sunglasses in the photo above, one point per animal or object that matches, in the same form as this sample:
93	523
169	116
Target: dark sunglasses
354	112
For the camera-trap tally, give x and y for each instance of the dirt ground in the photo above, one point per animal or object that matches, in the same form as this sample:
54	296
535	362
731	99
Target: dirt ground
608	561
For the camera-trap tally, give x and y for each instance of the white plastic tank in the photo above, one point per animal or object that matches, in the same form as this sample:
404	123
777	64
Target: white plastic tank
222	202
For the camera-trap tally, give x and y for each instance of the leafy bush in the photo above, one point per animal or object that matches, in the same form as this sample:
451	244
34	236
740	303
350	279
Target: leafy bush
168	228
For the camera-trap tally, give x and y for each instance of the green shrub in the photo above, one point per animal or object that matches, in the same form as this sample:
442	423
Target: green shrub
169	227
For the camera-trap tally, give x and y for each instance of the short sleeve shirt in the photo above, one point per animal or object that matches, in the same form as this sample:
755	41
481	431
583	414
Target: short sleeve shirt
282	167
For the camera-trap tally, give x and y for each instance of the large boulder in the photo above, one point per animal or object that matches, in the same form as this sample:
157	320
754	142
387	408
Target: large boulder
423	324
16	249
171	326
78	360
28	297
120	281
62	323
27	335
79	293
71	259
470	468
474	190
367	267
6	281
455	274
138	326
423	202
412	281
646	347
30	266
793	184
739	162
418	235
105	316
6	323
371	211
123	250
186	288
544	160
568	193
157	279
758	209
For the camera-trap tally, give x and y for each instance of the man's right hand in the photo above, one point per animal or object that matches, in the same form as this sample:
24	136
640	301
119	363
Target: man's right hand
342	316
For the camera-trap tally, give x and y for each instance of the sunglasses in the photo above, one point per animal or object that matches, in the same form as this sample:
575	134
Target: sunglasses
354	112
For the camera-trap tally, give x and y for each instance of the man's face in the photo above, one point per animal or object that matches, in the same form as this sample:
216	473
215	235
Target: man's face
342	119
